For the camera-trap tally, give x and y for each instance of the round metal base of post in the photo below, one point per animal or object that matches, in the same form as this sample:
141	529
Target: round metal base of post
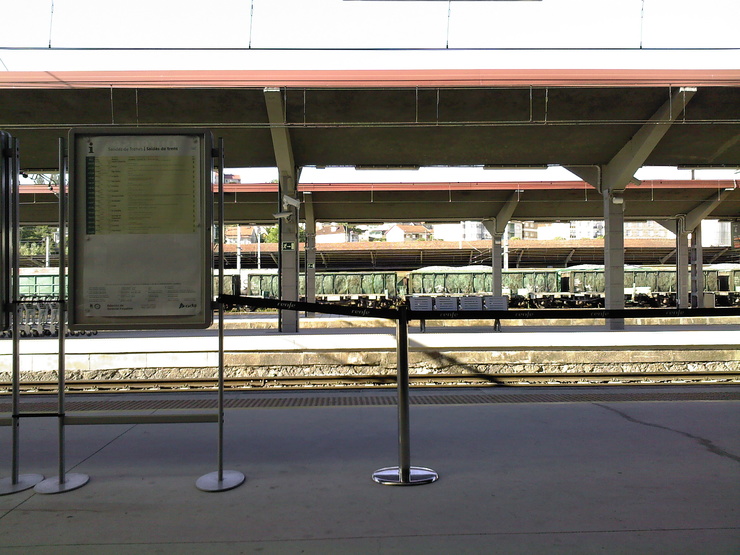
71	482
391	476
210	482
25	481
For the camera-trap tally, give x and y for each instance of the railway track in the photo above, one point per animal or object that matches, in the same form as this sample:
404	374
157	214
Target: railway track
379	381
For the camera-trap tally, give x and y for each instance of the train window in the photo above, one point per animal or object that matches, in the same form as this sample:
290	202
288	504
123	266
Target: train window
253	286
427	285
467	284
328	288
368	284
552	280
564	284
450	284
479	283
417	284
666	281
340	283
578	282
588	282
539	283
390	285
354	284
599	282
712	280
439	283
724	283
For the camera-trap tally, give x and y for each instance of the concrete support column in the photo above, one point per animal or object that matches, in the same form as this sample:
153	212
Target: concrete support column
496	264
697	269
692	280
614	256
682	264
288	249
496	226
310	248
611	180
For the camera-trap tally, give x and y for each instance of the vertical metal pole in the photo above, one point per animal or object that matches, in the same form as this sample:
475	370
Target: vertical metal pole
220	480
15	263
17	482
220	310
64	482
404	474
402	369
62	305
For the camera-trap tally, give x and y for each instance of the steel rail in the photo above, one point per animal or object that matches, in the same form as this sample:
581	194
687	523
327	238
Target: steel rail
380	381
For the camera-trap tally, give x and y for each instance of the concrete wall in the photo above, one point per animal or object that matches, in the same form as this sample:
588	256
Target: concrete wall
262	354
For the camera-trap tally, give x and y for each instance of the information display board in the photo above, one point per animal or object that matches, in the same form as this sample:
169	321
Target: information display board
6	163
140	229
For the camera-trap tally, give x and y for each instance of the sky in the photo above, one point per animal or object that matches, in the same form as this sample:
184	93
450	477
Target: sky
57	35
51	25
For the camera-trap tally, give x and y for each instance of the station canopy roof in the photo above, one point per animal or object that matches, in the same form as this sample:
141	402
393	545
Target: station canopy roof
577	118
391	118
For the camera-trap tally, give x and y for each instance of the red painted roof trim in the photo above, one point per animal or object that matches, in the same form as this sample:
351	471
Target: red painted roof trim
715	184
370	78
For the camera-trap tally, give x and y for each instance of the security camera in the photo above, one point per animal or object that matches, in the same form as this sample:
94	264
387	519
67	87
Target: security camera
282	215
290	201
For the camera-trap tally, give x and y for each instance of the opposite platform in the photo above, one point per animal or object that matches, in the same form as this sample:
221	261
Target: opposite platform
362	351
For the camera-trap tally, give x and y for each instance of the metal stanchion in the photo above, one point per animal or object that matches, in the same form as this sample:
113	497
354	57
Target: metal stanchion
404	474
16	482
65	481
220	480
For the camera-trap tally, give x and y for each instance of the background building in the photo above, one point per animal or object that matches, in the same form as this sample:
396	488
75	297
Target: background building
399	233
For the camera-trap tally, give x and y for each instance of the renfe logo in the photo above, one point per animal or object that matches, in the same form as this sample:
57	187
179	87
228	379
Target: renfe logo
191	305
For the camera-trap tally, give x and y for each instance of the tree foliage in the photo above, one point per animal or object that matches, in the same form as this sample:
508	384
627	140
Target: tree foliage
33	240
273	235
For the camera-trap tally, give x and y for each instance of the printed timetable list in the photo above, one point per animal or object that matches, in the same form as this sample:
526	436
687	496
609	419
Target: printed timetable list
142	189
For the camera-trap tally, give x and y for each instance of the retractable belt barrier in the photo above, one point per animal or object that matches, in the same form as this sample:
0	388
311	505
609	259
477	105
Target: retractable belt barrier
404	474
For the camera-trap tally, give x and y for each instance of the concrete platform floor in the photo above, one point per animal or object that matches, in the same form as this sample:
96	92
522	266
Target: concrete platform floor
530	471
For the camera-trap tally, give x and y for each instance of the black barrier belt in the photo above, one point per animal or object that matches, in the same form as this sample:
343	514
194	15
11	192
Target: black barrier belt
515	314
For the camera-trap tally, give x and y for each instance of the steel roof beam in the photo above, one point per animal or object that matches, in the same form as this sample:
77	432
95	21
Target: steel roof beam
497	224
620	170
693	219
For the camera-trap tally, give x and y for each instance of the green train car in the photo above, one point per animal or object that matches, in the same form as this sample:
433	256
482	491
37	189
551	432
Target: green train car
518	284
39	284
367	288
576	286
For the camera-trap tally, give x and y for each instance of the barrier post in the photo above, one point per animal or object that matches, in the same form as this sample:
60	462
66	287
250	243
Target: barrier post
65	481
404	474
9	170
220	480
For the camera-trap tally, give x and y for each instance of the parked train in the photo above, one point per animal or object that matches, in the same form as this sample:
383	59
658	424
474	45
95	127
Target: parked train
573	287
576	286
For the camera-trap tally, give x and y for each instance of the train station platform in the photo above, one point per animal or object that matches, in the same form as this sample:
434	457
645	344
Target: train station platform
521	471
356	347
